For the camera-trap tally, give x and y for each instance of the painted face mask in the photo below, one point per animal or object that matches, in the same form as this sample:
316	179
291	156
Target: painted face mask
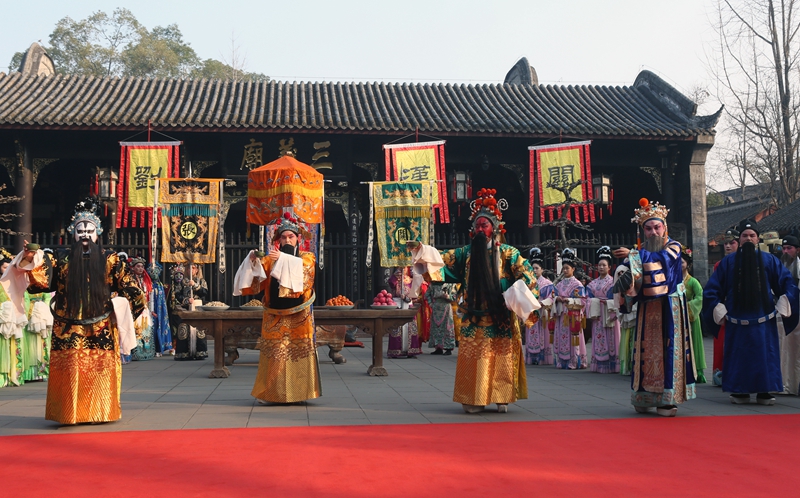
484	226
85	230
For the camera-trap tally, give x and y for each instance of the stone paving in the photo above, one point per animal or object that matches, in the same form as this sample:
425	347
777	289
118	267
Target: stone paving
167	394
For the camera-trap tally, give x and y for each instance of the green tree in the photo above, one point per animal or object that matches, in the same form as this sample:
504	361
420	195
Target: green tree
160	53
214	69
714	199
118	45
93	46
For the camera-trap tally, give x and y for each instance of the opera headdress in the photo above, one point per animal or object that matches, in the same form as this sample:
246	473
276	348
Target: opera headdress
536	256
604	253
648	211
568	257
85	210
486	206
287	223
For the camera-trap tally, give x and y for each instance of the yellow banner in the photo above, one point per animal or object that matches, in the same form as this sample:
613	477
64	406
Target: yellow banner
417	165
560	168
145	165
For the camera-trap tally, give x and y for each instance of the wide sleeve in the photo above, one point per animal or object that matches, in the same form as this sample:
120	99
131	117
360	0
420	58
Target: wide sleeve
694	298
782	284
309	273
200	289
578	298
121	282
41	278
521	270
454	265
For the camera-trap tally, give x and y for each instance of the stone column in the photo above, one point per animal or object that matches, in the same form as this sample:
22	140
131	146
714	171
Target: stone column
697	194
24	189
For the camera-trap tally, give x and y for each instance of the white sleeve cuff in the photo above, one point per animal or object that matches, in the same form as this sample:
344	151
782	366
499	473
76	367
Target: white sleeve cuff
783	306
719	313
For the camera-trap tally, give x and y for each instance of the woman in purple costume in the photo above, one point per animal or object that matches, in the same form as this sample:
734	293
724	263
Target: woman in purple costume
605	321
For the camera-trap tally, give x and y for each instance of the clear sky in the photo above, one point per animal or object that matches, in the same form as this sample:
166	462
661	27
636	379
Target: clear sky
600	42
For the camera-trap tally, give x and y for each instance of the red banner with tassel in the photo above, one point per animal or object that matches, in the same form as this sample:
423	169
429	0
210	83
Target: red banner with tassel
140	164
557	166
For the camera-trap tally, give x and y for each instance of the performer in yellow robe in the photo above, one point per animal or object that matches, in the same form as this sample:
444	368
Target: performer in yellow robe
491	364
85	370
288	370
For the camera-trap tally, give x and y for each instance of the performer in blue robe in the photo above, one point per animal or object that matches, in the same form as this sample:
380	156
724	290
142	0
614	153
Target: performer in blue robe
158	306
745	293
663	371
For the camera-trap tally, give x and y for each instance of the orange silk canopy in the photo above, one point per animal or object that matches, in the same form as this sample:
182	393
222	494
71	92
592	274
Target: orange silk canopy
284	185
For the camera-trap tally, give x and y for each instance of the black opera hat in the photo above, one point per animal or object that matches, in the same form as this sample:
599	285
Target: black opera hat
790	240
748	224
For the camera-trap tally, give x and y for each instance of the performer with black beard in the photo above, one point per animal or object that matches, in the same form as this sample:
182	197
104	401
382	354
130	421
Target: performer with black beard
491	364
287	366
85	370
746	293
663	371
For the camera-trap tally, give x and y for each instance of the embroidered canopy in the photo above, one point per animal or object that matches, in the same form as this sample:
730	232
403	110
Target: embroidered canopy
284	185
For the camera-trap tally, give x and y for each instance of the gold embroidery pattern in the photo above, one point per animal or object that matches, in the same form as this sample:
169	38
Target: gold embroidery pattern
286	349
653	344
84	386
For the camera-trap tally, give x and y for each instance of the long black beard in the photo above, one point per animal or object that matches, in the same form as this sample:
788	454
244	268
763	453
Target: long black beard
654	243
289	249
749	280
86	288
484	281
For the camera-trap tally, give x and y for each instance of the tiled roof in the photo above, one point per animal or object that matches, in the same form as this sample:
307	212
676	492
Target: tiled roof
782	220
721	218
88	103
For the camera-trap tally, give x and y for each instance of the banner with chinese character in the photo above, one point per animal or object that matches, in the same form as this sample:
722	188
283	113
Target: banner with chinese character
419	162
140	164
555	171
402	212
189	218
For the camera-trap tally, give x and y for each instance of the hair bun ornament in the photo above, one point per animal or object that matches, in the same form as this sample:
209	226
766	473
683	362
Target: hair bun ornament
643	202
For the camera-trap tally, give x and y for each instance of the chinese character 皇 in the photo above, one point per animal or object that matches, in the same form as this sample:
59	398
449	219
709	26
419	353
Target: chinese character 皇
142	177
252	155
416	172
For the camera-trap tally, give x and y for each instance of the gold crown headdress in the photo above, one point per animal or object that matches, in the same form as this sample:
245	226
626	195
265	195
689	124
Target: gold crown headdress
648	211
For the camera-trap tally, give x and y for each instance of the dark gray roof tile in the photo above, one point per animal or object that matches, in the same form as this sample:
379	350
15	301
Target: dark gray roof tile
77	101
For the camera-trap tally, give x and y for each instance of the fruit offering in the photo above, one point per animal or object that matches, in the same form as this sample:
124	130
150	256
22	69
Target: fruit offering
339	300
384	298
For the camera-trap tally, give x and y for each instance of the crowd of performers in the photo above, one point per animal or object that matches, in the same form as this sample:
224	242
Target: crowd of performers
76	315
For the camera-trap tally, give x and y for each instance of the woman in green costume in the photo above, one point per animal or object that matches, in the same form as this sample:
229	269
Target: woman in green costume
35	342
694	301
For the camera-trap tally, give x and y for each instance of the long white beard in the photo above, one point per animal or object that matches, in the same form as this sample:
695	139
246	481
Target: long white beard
654	243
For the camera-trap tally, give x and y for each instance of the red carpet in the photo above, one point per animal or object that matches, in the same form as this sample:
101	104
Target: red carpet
685	456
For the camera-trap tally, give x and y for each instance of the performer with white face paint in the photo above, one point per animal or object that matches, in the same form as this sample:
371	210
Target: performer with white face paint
85	371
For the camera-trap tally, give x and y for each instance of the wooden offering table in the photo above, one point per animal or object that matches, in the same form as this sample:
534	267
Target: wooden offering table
243	327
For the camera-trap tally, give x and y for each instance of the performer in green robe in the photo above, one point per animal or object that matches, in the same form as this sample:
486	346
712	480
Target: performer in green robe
694	302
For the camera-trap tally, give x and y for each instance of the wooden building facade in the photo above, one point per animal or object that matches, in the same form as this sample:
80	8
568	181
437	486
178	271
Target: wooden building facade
58	132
